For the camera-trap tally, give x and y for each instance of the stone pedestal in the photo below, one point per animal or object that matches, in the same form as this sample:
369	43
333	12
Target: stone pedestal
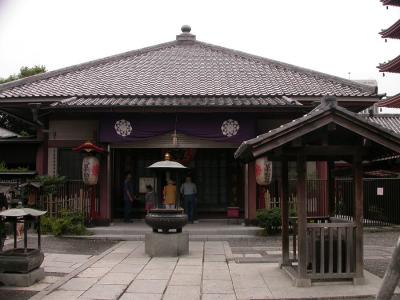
18	279
166	244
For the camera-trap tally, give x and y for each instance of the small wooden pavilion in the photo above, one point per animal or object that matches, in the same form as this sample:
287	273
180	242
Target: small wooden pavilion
328	249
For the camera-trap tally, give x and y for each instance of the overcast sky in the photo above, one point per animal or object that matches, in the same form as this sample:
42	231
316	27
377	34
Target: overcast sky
335	37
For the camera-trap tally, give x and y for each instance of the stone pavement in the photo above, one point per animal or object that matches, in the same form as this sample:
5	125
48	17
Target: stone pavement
208	272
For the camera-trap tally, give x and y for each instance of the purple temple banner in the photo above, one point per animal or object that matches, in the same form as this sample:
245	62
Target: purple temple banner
221	128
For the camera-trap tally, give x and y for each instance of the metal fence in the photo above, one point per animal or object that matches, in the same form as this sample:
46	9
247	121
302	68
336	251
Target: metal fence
316	196
381	199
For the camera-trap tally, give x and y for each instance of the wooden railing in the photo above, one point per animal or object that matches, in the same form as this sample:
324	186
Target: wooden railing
331	250
72	196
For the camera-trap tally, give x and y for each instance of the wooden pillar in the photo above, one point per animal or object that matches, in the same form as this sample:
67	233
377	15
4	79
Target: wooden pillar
358	218
284	195
302	221
246	191
42	153
104	190
250	193
331	189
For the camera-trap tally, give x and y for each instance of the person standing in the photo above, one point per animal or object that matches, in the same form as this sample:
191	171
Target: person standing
128	197
170	194
150	198
189	192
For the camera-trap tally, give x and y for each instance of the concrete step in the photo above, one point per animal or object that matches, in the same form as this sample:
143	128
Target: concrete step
140	237
200	229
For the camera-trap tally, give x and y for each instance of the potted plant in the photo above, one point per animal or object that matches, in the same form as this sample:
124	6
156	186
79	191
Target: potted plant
233	212
233	209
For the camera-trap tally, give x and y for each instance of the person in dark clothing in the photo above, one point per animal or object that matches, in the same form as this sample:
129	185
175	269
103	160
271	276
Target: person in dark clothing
189	192
128	197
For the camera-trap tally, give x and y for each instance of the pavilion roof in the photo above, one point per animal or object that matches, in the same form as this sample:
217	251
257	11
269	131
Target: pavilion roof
392	32
328	112
392	66
6	134
186	70
393	101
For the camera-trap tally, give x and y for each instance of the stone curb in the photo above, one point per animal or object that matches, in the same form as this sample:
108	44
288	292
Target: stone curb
228	252
71	275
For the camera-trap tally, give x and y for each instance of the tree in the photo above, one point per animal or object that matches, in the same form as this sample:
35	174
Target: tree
392	276
24	72
7	121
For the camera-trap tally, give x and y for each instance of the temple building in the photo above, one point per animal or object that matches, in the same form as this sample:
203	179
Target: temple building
195	100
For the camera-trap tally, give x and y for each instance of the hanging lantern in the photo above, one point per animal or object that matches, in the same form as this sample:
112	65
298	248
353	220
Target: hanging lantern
90	170
90	163
263	171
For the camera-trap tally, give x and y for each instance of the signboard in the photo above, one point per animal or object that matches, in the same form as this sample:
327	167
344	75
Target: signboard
379	191
144	181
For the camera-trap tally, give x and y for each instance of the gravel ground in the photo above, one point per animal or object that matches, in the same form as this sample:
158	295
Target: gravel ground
372	240
383	238
16	295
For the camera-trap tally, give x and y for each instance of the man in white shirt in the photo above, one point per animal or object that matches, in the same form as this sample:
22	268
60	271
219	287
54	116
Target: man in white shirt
189	192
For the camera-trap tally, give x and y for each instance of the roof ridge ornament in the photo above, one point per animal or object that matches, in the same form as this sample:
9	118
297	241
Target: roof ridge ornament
185	36
329	101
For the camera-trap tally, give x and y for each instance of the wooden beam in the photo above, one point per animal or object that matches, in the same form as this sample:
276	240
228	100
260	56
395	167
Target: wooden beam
358	216
302	216
330	150
284	195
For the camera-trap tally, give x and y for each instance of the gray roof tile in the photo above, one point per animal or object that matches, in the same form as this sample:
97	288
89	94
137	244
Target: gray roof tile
180	101
183	68
391	122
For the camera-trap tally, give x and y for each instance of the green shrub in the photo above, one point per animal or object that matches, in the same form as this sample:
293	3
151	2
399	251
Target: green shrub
67	223
50	184
270	219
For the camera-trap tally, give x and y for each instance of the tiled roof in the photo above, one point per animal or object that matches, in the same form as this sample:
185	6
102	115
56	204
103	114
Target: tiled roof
392	32
384	126
175	101
391	122
391	66
391	2
393	101
184	67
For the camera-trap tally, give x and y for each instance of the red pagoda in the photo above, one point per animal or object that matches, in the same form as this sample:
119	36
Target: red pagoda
393	32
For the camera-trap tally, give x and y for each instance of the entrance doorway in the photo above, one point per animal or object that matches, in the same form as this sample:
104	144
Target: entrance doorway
218	176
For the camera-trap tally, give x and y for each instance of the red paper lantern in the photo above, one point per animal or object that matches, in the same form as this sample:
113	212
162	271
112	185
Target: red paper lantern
263	171
90	170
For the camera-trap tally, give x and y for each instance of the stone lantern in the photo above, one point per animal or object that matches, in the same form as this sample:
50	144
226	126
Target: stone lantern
167	238
21	266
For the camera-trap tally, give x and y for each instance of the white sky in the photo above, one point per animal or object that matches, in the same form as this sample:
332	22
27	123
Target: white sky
331	36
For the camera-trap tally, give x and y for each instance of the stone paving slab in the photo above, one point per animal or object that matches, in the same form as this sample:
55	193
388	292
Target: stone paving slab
106	292
132	296
78	284
182	292
63	295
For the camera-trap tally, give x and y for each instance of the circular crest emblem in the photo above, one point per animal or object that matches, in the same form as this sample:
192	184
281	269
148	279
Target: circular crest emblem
123	127
230	127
